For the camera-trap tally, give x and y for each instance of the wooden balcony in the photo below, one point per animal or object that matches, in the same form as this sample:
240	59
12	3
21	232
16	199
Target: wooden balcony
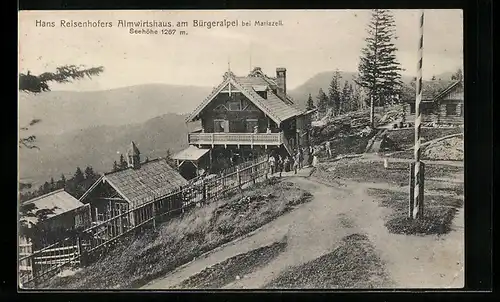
249	139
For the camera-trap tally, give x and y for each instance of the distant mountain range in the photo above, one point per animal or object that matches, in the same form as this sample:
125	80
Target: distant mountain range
99	146
92	128
63	111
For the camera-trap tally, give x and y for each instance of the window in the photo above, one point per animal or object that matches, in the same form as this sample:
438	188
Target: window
263	94
412	108
451	109
251	124
233	105
220	126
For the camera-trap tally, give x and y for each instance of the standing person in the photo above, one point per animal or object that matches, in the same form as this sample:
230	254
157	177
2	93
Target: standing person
272	164
296	161
286	163
328	149
311	153
280	164
301	158
315	159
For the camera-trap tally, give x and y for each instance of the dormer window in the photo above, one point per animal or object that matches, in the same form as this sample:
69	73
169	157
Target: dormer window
261	90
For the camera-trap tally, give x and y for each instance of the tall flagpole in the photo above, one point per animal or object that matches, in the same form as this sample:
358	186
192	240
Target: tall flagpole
418	196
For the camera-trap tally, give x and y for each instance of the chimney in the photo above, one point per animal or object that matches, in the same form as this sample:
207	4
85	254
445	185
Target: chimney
281	81
133	156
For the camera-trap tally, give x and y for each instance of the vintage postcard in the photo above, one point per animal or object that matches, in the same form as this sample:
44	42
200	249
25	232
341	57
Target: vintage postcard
241	149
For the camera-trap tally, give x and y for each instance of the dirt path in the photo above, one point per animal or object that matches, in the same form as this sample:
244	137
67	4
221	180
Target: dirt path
316	228
312	229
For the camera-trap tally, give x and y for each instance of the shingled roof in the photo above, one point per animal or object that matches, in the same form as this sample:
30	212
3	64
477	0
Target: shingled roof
276	108
430	90
57	202
152	179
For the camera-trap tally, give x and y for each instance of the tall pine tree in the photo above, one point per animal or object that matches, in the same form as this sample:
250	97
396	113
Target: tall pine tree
310	103
334	93
379	70
322	101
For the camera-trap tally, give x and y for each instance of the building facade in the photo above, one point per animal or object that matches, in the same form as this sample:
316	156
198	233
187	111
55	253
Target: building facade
442	103
244	118
117	192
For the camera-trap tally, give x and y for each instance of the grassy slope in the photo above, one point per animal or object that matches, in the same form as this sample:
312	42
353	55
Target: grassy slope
438	215
374	172
235	267
440	209
138	261
354	264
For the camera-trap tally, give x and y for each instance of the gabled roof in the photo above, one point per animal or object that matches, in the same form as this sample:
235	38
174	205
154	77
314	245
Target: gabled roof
152	179
273	106
447	90
430	90
58	202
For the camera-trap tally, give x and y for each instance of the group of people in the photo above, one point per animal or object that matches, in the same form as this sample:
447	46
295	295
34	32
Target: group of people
301	158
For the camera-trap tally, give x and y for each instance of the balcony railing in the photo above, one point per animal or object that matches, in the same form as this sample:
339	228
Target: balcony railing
255	139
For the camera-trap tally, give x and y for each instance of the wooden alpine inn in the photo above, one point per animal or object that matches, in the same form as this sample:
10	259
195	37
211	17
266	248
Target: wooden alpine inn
242	119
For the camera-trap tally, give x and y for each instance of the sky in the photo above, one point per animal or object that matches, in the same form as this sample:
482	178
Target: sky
309	42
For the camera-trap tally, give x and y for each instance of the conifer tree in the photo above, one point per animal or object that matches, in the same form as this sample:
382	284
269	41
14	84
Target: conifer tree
89	173
78	177
310	103
345	103
353	104
45	188
458	75
115	166
52	184
322	101
63	180
379	70
123	164
334	93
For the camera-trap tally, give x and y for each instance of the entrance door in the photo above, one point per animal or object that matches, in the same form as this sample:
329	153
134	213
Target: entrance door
236	126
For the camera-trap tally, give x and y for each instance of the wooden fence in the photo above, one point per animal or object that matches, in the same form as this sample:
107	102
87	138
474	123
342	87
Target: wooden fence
93	242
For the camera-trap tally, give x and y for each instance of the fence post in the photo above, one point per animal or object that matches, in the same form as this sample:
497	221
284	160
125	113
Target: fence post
33	265
254	176
267	169
204	190
238	177
153	211
412	189
120	219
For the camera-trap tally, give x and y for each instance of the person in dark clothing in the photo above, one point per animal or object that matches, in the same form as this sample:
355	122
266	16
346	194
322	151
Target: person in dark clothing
286	164
279	164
